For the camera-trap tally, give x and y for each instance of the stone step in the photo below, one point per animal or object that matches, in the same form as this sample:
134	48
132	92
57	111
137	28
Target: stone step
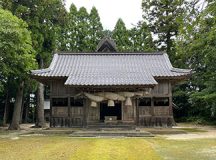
101	132
110	126
111	133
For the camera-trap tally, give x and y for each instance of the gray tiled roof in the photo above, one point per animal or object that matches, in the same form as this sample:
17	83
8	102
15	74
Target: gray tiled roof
111	68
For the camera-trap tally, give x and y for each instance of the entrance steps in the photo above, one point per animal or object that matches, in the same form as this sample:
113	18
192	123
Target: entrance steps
102	132
111	126
111	132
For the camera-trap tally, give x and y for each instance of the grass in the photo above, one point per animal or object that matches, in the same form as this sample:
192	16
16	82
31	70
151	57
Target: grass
52	148
65	148
195	149
194	130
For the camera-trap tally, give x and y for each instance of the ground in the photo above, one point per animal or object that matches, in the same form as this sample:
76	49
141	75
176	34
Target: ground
194	143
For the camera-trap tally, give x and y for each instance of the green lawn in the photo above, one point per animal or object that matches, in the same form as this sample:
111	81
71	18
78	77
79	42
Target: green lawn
65	148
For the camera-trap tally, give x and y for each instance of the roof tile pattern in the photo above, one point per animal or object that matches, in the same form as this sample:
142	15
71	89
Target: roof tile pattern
111	69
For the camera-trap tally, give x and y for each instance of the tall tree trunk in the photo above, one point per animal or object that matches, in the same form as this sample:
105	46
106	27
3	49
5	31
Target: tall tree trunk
40	102
22	108
17	108
40	106
5	117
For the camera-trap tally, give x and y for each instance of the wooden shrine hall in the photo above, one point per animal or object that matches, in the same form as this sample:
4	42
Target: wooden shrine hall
110	88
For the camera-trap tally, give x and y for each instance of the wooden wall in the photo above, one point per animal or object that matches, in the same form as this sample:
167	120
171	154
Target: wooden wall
68	116
65	116
157	115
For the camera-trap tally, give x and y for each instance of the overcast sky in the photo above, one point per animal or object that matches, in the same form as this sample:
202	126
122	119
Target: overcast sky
111	10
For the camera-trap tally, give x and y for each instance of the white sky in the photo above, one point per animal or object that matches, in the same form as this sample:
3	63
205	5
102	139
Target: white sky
111	10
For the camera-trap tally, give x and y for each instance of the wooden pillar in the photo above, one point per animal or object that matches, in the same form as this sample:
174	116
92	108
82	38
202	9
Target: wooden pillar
51	119
152	106
134	110
171	121
50	115
153	118
98	110
69	113
137	111
87	104
170	100
123	111
85	113
170	106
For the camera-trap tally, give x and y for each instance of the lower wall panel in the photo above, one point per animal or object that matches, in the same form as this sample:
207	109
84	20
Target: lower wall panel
152	121
148	121
66	122
161	110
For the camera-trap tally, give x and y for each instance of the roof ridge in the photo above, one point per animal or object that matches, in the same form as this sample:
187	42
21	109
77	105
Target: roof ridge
110	53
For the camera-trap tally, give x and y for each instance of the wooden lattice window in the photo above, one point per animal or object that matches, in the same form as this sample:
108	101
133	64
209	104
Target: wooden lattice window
162	101
145	102
76	102
59	102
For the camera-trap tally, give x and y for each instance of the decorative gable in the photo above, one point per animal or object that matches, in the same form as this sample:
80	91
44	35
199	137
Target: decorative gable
106	45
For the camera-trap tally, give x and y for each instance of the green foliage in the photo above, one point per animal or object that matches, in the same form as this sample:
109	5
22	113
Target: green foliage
181	95
17	54
141	38
187	32
44	18
121	36
163	18
196	48
84	30
137	39
205	41
78	29
6	4
95	30
72	30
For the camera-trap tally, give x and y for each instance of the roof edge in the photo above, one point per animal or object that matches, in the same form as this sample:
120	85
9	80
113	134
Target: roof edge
188	71
51	67
173	69
113	85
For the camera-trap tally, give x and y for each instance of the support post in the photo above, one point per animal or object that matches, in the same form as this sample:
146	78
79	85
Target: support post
152	123
69	112
50	111
137	111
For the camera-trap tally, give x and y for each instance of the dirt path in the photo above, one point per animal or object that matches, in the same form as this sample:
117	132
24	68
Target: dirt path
210	133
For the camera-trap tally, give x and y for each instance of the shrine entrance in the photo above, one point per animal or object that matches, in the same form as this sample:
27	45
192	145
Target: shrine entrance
107	111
